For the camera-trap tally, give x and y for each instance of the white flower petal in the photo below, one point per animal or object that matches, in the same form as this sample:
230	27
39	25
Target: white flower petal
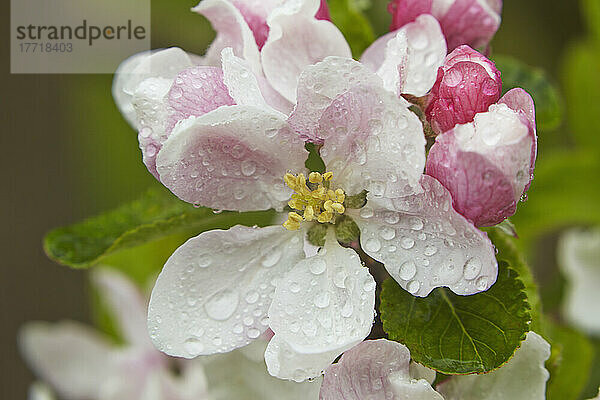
375	370
213	293
579	260
240	80
235	376
232	31
286	363
374	55
156	64
373	142
232	158
319	85
424	243
71	357
322	307
426	54
393	69
297	40
126	304
523	377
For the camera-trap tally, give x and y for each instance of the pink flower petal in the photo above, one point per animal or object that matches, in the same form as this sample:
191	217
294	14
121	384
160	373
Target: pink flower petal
406	11
424	243
233	158
323	12
232	31
296	40
375	370
162	103
487	164
319	85
471	22
467	84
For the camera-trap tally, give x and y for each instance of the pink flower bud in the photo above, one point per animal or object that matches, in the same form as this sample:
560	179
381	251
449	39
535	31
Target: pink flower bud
472	22
487	165
467	84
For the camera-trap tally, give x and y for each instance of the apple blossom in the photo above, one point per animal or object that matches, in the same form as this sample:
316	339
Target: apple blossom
381	370
222	289
290	35
81	364
470	22
578	259
488	164
467	84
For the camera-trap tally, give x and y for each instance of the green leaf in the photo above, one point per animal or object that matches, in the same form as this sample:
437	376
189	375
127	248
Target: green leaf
459	334
155	215
569	364
593	383
591	13
535	81
507	251
347	16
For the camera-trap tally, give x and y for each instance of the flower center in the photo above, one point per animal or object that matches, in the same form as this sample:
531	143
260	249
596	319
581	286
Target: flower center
315	200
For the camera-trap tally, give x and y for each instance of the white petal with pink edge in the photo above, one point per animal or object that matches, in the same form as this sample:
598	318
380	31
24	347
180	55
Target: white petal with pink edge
375	370
322	307
213	293
71	357
373	142
233	158
424	243
297	40
319	85
166	63
232	31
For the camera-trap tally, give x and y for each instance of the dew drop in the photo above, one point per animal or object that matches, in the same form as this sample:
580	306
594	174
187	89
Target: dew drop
347	309
472	268
248	168
253	333
322	300
430	250
482	283
294	287
372	245
392	218
271	258
222	305
407	243
369	285
366	212
416	223
193	346
339	279
318	266
413	287
407	270
252	297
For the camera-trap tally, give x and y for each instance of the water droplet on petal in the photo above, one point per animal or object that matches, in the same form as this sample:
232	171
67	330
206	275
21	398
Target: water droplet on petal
407	243
347	309
222	305
413	287
318	266
253	333
322	300
472	268
271	258
430	250
407	270
193	346
482	283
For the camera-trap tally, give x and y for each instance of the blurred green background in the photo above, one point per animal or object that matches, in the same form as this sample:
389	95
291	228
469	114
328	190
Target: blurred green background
68	154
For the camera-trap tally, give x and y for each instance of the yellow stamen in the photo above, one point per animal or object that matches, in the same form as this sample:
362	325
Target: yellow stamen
315	177
313	199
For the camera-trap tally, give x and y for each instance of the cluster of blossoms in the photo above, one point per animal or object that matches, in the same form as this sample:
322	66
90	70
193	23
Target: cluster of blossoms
229	131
